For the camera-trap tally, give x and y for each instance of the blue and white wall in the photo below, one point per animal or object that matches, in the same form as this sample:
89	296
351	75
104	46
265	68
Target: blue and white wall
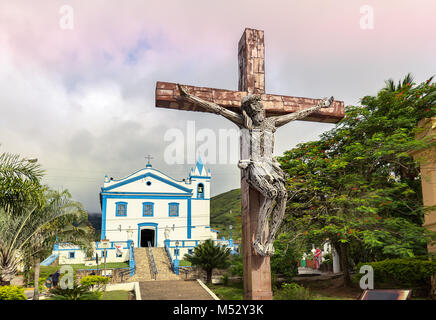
149	199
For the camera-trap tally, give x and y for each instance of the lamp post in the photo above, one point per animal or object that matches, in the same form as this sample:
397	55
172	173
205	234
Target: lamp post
177	249
176	261
230	237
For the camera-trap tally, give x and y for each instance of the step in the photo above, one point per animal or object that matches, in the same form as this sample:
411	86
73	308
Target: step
173	290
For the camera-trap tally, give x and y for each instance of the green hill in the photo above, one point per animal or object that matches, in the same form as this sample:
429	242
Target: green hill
225	210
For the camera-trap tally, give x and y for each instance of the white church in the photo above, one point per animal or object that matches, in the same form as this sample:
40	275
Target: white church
149	208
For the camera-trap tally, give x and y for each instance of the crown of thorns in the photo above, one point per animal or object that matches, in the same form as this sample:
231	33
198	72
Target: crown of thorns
252	103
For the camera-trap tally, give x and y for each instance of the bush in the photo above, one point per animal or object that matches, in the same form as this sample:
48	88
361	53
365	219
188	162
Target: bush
284	261
293	291
405	272
91	281
237	267
77	292
12	293
225	279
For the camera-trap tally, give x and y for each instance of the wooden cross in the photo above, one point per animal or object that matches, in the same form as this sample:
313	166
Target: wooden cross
257	271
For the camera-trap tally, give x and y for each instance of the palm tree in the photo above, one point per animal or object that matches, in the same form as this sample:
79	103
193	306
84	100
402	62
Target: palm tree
19	183
69	226
209	256
77	292
391	87
29	232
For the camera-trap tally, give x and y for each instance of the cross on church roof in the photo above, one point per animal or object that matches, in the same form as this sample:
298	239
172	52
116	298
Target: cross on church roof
148	160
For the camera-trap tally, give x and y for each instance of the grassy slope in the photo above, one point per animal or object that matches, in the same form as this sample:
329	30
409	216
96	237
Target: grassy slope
225	210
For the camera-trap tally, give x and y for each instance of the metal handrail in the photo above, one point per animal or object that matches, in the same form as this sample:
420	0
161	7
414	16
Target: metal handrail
153	264
167	249
132	262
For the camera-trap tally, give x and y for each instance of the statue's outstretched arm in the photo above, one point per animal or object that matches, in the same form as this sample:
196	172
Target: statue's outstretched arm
210	106
281	120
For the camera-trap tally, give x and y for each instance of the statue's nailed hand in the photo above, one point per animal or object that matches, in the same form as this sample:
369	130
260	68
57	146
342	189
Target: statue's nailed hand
327	102
183	90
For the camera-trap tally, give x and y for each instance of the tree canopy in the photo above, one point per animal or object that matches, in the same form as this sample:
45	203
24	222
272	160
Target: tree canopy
358	185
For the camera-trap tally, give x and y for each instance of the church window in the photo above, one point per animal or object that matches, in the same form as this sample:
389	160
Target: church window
200	191
147	209
71	255
173	210
190	251
121	209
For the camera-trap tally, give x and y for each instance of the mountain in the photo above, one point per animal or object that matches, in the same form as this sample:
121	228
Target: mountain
225	210
95	220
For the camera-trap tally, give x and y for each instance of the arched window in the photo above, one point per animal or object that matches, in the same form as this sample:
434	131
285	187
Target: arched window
200	191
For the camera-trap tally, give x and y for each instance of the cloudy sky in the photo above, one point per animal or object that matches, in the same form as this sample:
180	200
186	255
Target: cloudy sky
77	78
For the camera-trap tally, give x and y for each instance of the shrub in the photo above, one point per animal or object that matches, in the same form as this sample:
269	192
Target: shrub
225	279
405	272
91	281
284	261
12	293
237	267
293	291
78	292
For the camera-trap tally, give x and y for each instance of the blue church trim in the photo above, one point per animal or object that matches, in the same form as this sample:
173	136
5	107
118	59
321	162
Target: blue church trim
148	174
103	218
147	224
189	220
149	193
128	196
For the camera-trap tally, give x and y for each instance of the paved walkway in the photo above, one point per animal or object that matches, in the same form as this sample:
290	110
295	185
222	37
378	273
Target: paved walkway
173	290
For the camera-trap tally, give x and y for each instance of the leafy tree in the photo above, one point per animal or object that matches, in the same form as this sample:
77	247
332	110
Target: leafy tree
209	256
286	256
358	186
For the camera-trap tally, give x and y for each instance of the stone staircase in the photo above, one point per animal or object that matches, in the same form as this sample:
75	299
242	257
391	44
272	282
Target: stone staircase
144	270
163	265
142	261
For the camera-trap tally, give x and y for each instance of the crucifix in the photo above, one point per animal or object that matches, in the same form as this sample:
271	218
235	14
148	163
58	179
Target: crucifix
258	115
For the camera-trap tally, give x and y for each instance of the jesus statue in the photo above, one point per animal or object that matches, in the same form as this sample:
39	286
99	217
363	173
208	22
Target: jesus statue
261	169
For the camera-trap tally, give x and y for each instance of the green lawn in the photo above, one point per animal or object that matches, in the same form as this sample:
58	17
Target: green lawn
235	291
184	263
115	295
232	291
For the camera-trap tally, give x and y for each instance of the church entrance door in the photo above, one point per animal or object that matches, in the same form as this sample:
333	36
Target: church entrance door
146	236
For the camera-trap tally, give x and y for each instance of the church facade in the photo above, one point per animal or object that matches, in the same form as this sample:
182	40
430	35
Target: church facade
149	206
